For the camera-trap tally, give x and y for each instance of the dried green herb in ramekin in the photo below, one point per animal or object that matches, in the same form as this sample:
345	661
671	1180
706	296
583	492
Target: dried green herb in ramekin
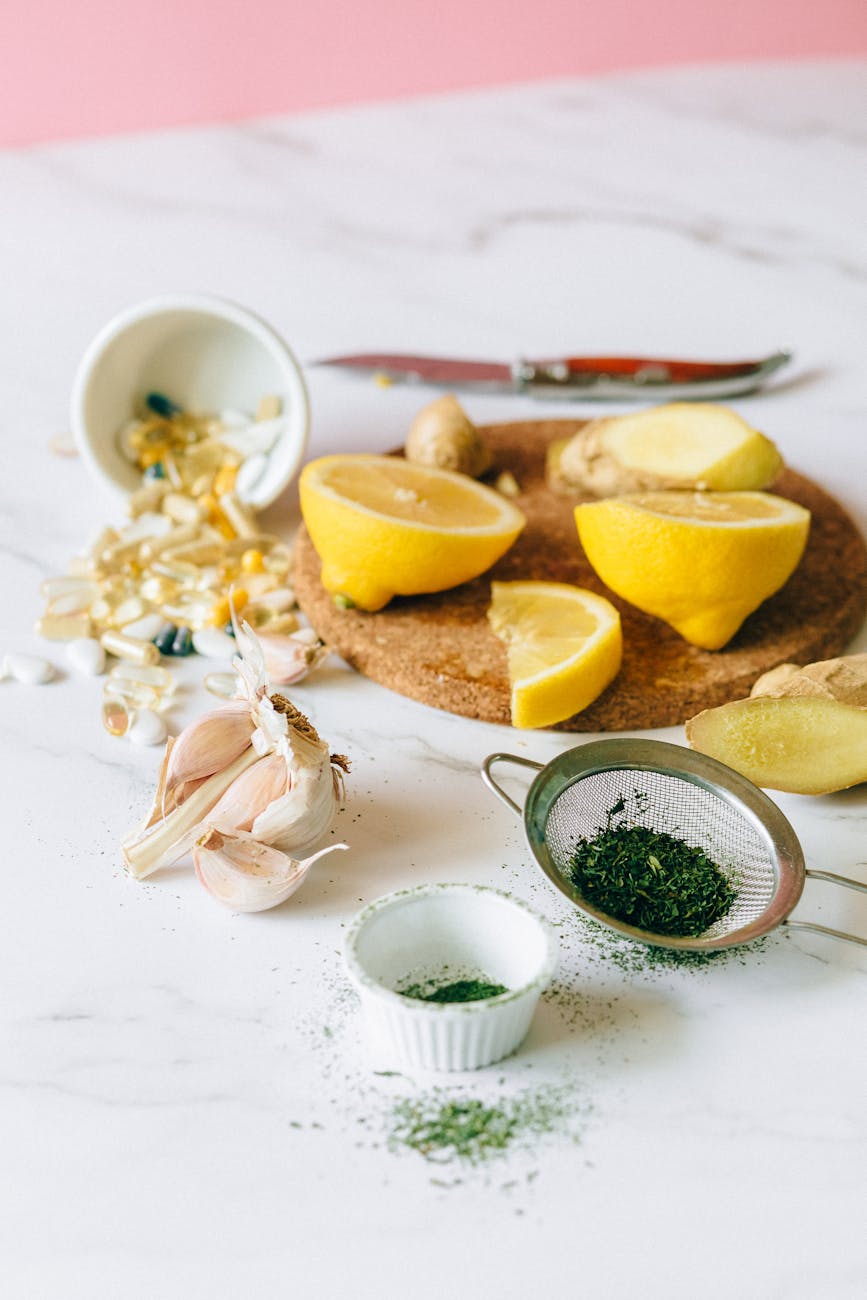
468	990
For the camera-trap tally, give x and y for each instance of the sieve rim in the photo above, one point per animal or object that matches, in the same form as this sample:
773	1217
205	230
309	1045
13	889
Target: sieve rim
751	803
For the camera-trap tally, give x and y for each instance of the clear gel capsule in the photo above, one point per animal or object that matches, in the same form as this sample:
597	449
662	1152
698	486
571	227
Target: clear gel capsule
72	602
135	695
67	585
129	647
67	627
116	716
147	674
223	685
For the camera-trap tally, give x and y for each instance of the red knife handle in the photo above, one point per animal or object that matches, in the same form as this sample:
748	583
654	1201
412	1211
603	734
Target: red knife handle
671	371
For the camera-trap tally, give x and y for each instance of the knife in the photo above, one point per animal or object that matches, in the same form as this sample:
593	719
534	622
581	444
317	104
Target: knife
599	378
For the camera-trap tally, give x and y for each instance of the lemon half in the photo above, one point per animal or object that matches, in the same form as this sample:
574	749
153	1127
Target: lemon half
563	644
384	527
702	561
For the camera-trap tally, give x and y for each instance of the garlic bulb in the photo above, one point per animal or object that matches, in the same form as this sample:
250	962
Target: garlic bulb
247	875
250	785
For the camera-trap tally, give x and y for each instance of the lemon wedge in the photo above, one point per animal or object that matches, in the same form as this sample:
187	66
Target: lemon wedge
384	527
563	643
701	561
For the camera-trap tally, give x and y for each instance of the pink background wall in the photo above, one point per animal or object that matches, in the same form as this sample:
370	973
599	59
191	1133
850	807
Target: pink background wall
92	67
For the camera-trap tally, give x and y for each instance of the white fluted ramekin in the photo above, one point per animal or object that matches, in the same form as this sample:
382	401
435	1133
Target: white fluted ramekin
442	932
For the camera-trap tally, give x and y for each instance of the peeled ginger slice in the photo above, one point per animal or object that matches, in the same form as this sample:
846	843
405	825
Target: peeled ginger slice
692	445
802	730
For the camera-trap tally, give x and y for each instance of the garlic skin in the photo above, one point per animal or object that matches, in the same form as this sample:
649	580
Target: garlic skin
251	785
248	876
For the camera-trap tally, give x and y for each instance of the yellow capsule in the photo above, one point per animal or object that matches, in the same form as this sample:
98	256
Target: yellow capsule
208	504
269	407
150	455
221	611
225	529
252	561
228	572
224	479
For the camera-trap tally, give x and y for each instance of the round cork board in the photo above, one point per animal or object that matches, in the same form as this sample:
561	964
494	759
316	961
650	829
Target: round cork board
438	649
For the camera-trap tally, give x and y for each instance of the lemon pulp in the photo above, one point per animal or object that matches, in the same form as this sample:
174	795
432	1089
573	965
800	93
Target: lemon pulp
563	645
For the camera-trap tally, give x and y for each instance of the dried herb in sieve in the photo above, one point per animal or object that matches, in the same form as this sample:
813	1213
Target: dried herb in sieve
650	879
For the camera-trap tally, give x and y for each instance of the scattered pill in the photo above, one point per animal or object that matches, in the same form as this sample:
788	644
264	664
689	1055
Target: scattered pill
147	728
130	647
222	685
213	643
144	628
32	670
116	717
65	627
165	638
183	642
86	655
162	405
249	474
151	674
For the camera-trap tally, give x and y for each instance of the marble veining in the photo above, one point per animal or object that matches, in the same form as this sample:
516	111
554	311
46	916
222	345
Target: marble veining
187	1106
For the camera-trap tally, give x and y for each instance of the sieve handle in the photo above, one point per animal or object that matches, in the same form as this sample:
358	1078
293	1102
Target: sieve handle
496	789
824	929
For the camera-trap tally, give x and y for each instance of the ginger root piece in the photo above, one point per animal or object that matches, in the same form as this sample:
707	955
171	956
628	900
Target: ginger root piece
697	446
442	435
803	730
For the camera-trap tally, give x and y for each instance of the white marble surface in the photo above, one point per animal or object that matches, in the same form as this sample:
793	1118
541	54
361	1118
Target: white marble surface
186	1109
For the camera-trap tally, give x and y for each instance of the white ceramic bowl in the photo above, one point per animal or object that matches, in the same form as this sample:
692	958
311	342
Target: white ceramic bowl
441	933
206	354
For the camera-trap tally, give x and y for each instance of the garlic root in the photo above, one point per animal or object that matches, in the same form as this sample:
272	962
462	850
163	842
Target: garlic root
802	730
442	435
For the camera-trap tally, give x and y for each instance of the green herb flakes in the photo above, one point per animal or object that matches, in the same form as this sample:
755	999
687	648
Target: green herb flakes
468	990
443	1128
651	880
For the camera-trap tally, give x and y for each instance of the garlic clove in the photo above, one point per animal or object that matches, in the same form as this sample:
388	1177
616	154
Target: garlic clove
290	658
250	794
304	814
211	742
249	876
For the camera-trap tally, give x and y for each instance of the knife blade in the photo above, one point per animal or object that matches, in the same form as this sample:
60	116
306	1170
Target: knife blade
597	378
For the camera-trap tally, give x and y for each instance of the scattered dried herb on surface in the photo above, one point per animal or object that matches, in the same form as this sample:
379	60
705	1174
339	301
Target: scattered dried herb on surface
443	1128
650	879
467	990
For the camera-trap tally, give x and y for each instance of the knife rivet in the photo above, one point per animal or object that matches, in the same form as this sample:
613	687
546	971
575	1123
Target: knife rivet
655	374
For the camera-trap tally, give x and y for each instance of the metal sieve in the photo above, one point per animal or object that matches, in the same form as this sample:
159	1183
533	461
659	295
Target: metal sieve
667	788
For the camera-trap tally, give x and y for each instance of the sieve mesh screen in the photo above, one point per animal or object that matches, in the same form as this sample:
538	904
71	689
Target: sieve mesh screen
690	812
